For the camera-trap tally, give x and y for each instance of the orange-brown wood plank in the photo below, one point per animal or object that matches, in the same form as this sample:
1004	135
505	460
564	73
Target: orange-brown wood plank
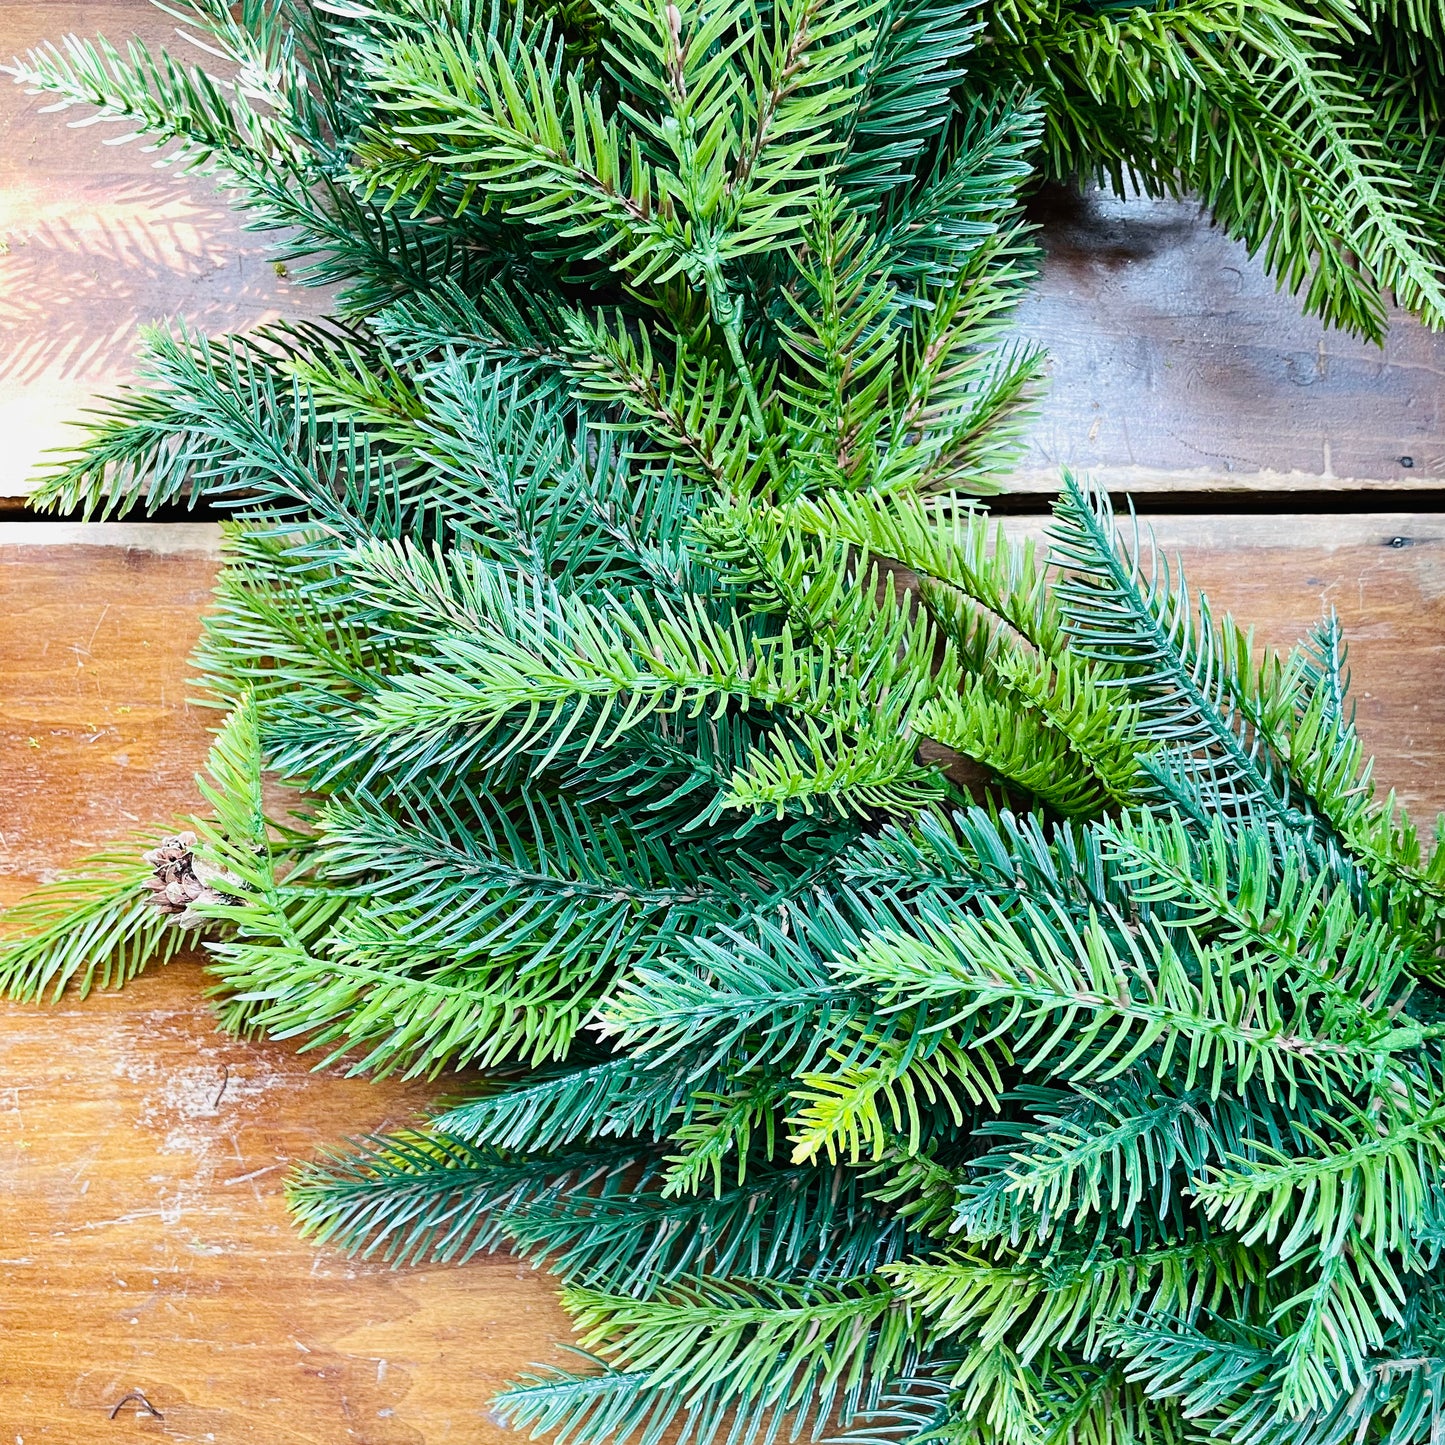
1385	575
96	735
143	1242
144	1246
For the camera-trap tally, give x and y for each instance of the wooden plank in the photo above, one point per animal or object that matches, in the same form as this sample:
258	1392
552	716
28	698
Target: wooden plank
96	242
143	1239
143	1242
1175	362
95	731
144	1245
1385	575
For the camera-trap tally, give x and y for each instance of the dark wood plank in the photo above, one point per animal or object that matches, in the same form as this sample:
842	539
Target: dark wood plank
143	1242
1175	362
96	242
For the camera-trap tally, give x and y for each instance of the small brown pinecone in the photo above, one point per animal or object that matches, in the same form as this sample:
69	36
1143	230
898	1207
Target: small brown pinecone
183	877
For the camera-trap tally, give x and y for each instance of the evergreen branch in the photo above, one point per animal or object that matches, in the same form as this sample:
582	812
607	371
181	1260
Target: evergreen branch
413	1197
1191	681
1079	1002
96	927
792	1346
614	587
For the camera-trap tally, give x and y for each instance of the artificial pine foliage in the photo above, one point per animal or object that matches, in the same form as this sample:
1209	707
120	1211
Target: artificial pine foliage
1312	129
914	983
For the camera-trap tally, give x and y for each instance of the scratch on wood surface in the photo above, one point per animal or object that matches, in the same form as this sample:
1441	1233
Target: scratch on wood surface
254	1174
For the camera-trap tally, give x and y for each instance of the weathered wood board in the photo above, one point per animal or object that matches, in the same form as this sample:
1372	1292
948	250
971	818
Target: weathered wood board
1385	575
143	1241
96	242
1175	363
96	735
144	1246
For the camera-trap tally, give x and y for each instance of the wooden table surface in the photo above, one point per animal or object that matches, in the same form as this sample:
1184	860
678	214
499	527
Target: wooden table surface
143	1242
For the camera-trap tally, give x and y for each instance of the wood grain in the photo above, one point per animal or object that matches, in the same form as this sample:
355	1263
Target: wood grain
143	1243
1175	362
1385	575
96	735
96	242
144	1246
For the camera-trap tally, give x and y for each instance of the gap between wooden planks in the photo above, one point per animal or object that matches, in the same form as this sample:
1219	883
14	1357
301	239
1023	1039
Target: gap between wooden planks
143	1241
